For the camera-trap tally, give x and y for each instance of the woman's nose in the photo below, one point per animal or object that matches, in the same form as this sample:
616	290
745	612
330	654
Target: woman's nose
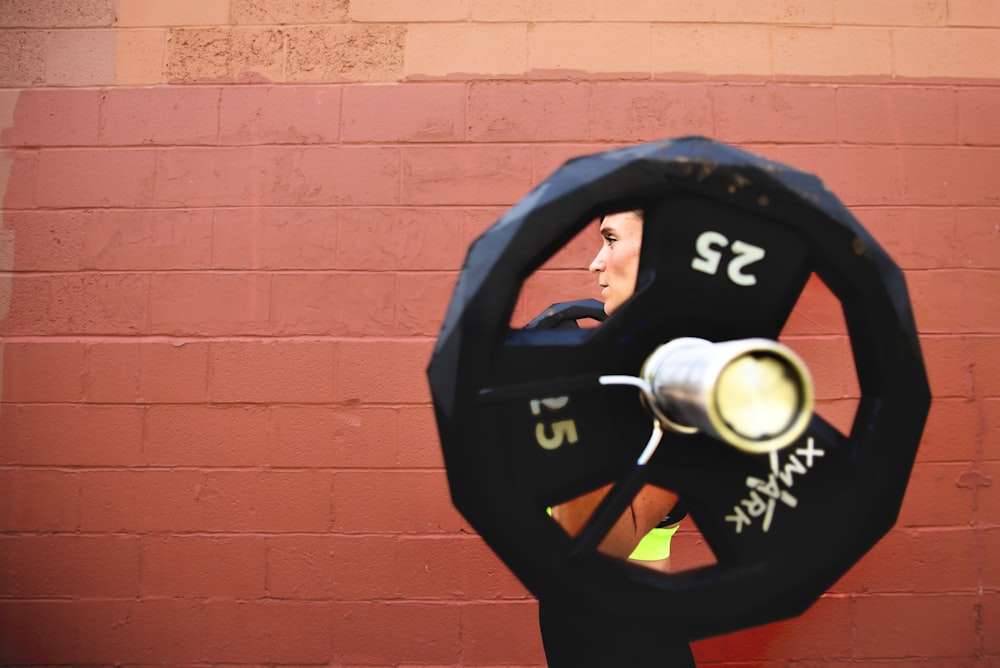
597	264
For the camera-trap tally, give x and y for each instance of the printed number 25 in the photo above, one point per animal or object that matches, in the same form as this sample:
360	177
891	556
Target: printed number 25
708	247
562	430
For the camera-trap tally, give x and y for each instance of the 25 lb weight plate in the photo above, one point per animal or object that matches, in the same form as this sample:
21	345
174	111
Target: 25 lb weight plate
528	418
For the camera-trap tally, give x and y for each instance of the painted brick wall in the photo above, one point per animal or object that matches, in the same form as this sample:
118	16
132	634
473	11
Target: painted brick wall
231	228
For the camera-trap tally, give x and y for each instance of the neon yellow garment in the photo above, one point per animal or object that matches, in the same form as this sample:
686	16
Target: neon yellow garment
655	545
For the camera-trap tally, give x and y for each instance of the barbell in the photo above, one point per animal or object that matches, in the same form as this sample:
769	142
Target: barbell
685	386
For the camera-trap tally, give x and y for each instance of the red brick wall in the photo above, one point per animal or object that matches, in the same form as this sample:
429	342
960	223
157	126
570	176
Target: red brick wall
231	228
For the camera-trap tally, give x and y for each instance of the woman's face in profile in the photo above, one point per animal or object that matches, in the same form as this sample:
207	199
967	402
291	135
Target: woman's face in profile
617	263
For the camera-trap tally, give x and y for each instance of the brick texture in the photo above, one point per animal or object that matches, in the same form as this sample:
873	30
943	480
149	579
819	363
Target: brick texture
141	54
650	111
346	53
54	118
133	13
930	626
429	113
51	14
184	116
426	633
95	178
292	11
68	434
52	566
436	50
22	53
230	233
486	628
217	566
223	53
81	58
297	115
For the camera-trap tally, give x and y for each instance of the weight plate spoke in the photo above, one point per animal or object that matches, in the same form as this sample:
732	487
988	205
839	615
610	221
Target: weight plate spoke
554	426
741	273
749	508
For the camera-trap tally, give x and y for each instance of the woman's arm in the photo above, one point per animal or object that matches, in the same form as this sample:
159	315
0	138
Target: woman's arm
647	509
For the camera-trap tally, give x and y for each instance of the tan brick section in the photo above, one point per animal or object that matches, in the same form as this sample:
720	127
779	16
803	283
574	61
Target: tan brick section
140	13
43	42
81	58
706	47
56	13
22	58
289	11
442	49
230	54
951	52
831	51
346	52
892	12
973	13
140	56
589	47
409	11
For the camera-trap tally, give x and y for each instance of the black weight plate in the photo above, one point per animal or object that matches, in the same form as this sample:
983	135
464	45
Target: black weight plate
729	241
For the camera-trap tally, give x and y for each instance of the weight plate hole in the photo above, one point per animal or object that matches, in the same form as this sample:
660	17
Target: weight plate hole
674	546
817	332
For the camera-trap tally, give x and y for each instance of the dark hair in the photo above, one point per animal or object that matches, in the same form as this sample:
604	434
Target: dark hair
638	212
